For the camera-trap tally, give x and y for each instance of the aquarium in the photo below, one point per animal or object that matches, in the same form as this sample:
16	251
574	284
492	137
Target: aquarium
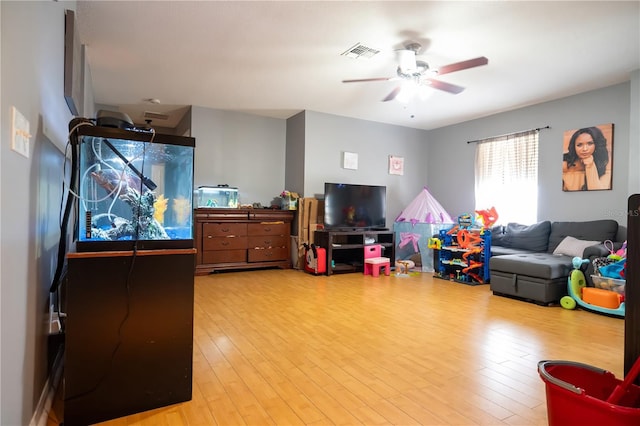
222	196
135	190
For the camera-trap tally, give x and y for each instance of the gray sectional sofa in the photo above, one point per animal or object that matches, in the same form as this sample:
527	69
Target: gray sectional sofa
533	262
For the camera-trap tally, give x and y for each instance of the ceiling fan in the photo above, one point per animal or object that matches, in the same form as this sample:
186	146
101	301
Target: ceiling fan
417	71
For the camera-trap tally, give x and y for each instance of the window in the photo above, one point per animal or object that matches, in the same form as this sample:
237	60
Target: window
506	176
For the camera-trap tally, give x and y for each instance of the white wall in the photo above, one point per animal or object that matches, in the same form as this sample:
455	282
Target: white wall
452	160
32	80
241	150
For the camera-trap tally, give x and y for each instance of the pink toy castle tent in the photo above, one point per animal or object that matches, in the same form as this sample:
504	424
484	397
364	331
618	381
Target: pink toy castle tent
420	220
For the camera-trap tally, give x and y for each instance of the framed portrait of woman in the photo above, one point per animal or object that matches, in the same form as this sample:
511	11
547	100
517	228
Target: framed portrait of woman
587	158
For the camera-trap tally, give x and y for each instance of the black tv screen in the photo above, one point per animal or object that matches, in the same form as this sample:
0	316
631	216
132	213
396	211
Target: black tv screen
348	206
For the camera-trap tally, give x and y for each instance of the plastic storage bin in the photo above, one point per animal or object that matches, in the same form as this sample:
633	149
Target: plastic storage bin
578	394
608	283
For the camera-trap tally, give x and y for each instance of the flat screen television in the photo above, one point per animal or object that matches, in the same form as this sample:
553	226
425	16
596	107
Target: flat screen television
354	207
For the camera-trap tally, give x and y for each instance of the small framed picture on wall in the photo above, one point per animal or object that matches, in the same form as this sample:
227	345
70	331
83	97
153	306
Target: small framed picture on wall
587	158
350	160
396	165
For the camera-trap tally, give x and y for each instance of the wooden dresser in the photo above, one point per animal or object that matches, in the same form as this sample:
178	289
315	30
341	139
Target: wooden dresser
242	239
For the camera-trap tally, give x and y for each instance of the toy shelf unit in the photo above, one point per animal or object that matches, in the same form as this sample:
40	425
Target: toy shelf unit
345	249
464	255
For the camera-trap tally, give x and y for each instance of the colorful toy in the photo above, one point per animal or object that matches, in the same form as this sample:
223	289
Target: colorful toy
466	221
469	240
619	254
592	299
489	217
434	243
622	252
404	266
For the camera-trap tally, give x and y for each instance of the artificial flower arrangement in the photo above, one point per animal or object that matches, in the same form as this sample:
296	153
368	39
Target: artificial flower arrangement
289	200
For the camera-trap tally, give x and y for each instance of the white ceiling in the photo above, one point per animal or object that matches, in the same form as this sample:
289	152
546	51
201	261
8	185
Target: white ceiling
276	58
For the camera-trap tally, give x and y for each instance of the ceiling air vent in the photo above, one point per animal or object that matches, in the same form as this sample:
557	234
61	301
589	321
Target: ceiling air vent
360	51
156	115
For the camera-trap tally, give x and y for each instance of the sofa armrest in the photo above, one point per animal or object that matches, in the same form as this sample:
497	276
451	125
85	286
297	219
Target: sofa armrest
597	250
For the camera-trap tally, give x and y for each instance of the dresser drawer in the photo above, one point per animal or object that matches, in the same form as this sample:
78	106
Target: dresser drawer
224	243
224	256
268	254
268	241
223	229
269	229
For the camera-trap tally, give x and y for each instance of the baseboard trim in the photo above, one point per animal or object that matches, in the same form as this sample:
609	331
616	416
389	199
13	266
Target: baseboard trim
45	402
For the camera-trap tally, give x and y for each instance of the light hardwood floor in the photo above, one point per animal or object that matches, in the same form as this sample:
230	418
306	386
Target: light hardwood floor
285	348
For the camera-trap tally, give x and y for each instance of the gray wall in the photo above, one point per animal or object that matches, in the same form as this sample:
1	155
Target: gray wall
241	150
327	137
295	153
32	80
451	163
315	143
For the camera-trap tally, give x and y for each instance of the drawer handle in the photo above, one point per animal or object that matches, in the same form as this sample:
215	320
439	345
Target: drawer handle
209	236
267	242
267	229
225	243
225	229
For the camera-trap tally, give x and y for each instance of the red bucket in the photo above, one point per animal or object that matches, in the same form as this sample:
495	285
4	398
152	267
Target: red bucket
580	394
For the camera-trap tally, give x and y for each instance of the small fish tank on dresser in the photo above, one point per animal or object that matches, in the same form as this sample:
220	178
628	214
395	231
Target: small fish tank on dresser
135	190
221	196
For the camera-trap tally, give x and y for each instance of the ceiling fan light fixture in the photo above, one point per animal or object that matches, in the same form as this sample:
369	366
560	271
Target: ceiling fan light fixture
408	90
406	61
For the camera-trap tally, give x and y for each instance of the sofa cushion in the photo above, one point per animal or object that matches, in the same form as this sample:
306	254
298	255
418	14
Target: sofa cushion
502	250
540	265
595	230
497	234
573	247
527	237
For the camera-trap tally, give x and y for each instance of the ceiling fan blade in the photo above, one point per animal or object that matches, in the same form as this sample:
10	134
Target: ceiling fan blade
459	66
441	85
391	96
369	79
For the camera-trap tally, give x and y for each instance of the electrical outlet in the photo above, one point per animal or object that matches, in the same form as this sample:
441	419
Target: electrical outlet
19	132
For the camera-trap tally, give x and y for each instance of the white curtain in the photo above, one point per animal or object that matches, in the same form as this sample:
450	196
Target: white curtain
506	176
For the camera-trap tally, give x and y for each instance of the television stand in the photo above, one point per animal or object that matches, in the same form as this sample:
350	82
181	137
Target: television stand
345	249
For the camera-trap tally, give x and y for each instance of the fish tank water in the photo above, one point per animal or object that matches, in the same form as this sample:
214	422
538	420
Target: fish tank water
135	190
221	196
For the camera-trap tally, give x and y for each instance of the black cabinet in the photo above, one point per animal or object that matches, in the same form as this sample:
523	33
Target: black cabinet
128	334
345	249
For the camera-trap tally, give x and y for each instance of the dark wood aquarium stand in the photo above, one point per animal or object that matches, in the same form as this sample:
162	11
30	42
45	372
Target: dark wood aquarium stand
128	334
632	286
